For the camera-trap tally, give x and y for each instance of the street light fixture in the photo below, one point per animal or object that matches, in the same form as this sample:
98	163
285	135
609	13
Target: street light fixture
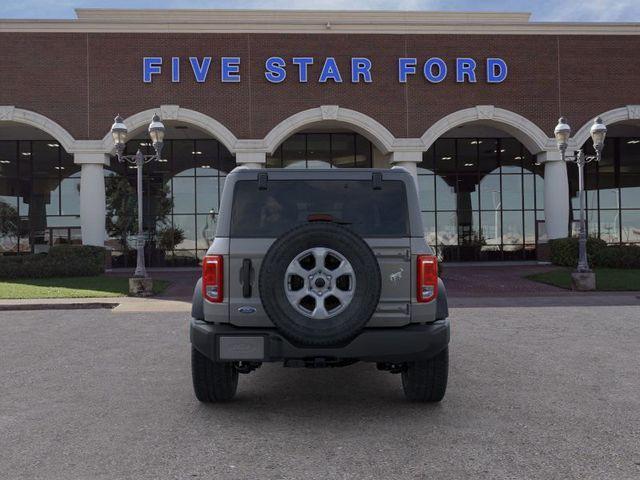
119	133
598	133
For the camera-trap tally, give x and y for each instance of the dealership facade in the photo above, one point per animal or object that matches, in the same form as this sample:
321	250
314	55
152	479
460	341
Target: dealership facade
467	102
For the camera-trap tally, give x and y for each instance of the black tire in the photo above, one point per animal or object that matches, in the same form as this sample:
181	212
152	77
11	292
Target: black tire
345	325
213	381
426	380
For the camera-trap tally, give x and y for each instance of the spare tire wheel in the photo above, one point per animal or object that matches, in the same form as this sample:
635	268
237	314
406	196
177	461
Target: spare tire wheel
319	284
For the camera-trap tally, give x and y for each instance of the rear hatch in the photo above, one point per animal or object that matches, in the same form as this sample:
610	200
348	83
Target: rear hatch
268	206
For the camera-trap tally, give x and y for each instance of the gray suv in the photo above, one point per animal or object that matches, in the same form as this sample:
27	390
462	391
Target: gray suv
319	268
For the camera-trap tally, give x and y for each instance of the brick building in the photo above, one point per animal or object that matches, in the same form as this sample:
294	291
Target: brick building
465	101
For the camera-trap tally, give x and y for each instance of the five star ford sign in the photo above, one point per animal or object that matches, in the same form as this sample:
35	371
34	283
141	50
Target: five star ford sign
361	69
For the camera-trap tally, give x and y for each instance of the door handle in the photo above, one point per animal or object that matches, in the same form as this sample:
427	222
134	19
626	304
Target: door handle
245	277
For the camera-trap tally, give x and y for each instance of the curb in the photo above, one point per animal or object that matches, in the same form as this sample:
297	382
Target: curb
57	306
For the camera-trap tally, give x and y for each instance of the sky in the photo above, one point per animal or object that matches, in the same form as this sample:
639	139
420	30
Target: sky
542	10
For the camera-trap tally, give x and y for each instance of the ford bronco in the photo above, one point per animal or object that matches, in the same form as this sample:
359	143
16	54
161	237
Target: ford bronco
319	268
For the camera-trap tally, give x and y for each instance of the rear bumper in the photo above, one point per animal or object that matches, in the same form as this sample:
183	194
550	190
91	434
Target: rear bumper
228	343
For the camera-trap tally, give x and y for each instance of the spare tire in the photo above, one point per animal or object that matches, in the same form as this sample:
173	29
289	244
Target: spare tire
319	284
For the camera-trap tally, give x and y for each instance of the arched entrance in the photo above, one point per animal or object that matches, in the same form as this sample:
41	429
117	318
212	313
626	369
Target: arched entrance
39	184
482	194
181	196
612	185
328	137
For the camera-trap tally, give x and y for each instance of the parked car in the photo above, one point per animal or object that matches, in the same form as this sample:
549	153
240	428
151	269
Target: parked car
320	268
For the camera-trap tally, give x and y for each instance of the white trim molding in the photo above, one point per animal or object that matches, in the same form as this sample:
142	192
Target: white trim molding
10	113
521	128
310	21
363	124
179	114
629	112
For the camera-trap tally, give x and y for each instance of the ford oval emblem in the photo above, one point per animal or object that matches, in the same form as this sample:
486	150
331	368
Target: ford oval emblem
247	310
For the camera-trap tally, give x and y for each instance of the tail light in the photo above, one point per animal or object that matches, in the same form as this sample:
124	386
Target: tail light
212	278
427	278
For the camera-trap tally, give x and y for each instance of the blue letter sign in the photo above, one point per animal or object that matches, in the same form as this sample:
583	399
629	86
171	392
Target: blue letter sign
330	71
275	69
200	71
434	69
496	70
151	66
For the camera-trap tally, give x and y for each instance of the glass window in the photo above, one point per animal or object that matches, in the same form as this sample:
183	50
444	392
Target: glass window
45	157
629	155
511	192
270	212
467	192
184	152
447	228
207	196
188	225
529	191
488	158
630	226
630	191
490	198
294	152
511	155
446	156
426	189
70	196
275	160
467	155
183	190
610	226
206	229
343	149
363	152
512	228
206	157
427	164
445	194
429	226
8	159
318	149
529	227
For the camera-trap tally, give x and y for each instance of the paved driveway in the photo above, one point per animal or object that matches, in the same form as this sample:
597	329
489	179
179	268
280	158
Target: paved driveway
534	393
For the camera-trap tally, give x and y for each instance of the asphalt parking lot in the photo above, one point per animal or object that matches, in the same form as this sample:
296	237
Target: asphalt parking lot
549	392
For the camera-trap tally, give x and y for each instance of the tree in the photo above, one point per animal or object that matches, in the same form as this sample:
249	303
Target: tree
122	209
9	221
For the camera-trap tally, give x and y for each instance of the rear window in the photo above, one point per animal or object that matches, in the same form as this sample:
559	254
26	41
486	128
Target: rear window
287	203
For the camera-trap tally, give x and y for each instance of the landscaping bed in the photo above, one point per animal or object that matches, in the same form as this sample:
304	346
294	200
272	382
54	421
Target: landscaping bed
607	279
71	287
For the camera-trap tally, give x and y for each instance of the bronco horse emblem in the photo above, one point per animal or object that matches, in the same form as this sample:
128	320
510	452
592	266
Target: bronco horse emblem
395	277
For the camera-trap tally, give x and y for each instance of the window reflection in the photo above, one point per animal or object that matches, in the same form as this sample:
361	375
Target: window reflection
39	196
486	204
190	178
322	150
612	190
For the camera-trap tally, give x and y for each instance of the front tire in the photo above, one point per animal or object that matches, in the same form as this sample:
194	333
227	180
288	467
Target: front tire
426	380
213	381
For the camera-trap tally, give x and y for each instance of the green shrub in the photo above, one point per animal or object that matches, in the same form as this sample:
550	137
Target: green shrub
61	261
618	256
564	251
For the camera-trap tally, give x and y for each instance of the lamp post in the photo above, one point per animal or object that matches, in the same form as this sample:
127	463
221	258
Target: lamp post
119	133
598	133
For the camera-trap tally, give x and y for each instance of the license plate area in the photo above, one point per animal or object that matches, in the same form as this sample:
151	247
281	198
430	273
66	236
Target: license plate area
241	347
